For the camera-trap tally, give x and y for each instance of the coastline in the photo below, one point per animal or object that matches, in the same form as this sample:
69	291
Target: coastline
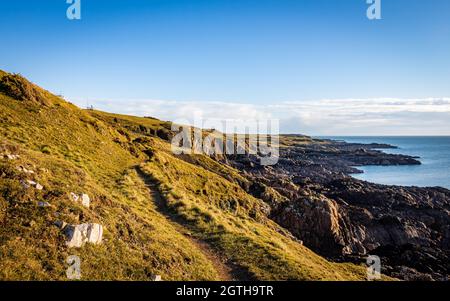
432	151
312	194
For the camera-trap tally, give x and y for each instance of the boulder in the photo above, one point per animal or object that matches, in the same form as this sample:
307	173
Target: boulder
79	235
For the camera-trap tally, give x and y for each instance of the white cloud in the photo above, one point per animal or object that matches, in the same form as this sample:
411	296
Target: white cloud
382	116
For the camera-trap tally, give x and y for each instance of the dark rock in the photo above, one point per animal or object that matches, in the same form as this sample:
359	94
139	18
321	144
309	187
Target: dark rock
343	218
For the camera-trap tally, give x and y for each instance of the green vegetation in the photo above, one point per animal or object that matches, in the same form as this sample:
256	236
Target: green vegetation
157	209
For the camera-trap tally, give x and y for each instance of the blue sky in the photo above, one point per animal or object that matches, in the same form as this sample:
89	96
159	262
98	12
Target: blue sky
253	55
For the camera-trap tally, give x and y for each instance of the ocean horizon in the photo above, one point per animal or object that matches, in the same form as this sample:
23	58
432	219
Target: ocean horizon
433	153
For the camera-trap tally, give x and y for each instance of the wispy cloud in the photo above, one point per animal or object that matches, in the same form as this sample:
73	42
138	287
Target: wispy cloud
381	116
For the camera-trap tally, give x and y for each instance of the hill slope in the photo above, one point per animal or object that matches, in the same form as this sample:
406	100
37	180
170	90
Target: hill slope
181	217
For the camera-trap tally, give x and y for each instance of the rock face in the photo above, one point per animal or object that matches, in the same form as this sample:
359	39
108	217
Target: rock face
317	221
313	219
345	219
79	235
21	89
406	227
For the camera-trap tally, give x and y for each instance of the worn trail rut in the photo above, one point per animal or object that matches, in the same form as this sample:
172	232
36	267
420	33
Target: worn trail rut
227	271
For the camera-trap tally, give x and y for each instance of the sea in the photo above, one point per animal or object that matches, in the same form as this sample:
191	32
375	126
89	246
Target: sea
434	153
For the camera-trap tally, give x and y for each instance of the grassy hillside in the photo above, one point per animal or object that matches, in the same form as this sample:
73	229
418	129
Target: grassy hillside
181	217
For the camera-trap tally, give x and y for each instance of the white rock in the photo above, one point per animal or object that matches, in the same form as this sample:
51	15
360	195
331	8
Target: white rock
79	235
156	278
85	200
12	157
23	169
28	171
74	196
24	185
32	183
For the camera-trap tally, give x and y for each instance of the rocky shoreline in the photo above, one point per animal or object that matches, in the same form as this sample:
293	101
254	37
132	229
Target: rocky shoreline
311	193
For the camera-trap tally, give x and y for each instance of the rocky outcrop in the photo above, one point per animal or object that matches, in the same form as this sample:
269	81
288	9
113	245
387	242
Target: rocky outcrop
345	219
317	221
357	218
19	88
321	161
